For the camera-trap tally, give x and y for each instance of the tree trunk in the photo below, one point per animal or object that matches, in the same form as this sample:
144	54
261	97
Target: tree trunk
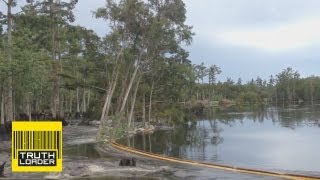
130	86
150	145
150	102
70	103
133	102
123	85
144	141
2	108
88	100
59	105
36	104
84	106
144	110
10	89
78	99
106	107
128	89
56	94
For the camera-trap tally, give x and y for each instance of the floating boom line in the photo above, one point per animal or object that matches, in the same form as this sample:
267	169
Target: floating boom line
213	165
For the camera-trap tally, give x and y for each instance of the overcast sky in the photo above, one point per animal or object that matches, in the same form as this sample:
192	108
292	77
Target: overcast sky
246	38
249	38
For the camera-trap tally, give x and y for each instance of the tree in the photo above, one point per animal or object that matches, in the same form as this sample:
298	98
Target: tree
239	82
286	81
213	72
7	100
142	32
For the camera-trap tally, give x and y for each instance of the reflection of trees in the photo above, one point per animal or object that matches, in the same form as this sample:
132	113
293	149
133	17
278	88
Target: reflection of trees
258	116
289	117
193	138
300	116
273	114
216	137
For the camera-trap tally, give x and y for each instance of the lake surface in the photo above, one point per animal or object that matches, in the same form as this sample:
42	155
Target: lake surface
280	139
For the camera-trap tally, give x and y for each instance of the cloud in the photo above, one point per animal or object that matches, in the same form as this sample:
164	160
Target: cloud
280	38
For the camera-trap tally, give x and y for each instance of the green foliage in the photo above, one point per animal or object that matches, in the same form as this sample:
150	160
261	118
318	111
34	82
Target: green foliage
248	98
172	115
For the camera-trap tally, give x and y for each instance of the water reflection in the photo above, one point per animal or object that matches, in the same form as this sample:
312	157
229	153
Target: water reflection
281	139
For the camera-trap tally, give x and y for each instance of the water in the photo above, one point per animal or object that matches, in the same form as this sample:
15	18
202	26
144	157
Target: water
285	140
82	151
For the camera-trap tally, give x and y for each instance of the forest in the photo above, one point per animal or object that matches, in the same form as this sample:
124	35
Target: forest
140	71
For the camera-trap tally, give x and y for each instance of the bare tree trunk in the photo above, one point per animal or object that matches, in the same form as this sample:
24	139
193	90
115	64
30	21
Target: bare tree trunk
150	145
36	104
144	109
6	110
106	107
62	100
112	86
56	84
133	102
150	102
88	100
130	85
144	141
53	104
2	108
70	103
84	106
123	85
60	92
14	109
10	89
78	99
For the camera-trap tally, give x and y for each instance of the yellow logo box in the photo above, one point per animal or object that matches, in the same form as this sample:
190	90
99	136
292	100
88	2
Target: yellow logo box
36	146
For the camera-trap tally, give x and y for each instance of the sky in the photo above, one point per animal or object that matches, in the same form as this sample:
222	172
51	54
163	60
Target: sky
250	38
245	38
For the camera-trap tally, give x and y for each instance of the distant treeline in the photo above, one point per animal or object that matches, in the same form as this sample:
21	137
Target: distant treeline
284	88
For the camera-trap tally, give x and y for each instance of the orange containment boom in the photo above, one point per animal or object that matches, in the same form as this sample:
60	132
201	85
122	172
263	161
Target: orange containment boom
212	165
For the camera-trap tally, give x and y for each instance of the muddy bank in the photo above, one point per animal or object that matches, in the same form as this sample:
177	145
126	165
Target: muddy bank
84	158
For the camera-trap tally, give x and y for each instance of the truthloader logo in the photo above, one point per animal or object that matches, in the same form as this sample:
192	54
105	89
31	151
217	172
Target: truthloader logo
36	146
